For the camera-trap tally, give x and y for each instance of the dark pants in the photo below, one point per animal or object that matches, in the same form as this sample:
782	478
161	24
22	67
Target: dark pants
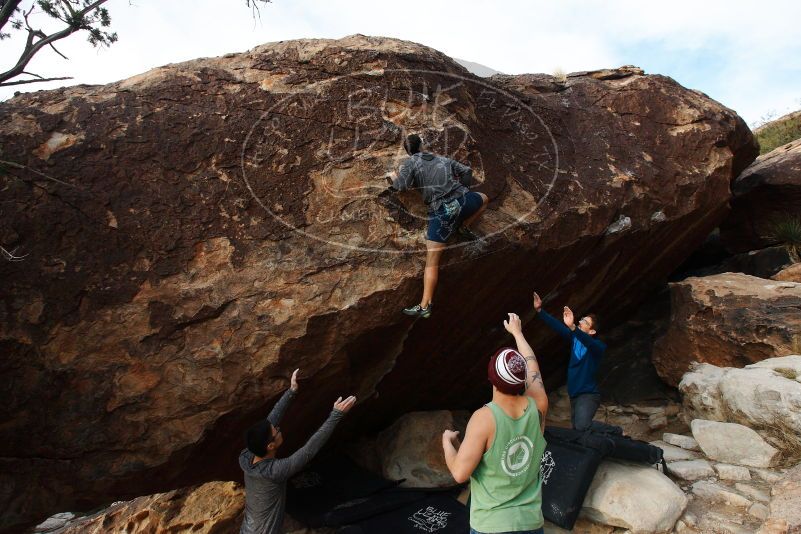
583	408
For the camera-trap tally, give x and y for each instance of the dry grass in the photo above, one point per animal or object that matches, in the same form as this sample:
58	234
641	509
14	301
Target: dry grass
788	443
786	372
779	132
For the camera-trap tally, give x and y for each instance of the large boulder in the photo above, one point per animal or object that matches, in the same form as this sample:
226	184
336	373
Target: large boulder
191	235
765	396
733	443
634	497
212	508
728	320
767	192
411	449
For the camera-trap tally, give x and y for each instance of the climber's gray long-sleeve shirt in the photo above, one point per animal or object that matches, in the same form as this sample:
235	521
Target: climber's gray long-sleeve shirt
265	482
439	178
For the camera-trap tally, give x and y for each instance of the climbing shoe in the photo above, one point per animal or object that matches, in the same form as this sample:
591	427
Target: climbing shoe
418	311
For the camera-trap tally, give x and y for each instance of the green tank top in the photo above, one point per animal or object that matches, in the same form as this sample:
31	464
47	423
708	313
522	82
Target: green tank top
506	488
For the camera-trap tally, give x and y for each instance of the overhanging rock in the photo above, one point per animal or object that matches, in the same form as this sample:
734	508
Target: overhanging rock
194	233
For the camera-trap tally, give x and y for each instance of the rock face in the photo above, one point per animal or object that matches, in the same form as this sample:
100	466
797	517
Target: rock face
685	442
193	234
634	497
672	453
733	443
214	507
789	274
730	320
626	374
767	191
764	396
717	493
732	472
411	448
690	469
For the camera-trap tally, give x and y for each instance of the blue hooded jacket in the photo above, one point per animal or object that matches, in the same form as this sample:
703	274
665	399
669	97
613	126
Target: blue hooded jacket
585	356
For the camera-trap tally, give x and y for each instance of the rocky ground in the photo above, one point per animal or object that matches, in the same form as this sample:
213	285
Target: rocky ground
722	477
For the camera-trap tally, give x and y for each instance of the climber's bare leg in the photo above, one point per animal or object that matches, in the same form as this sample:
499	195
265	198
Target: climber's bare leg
433	253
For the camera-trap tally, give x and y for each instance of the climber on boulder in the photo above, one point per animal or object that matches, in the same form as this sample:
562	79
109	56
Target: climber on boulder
265	475
452	207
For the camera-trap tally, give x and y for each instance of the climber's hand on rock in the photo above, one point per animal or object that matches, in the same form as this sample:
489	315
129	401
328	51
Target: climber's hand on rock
344	406
293	382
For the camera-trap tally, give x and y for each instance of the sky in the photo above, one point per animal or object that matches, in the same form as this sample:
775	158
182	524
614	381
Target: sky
744	54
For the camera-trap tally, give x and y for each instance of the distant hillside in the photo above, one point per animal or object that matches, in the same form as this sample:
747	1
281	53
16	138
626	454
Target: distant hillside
477	68
776	133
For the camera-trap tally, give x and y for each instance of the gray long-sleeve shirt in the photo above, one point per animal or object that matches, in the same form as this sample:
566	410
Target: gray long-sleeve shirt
439	178
265	482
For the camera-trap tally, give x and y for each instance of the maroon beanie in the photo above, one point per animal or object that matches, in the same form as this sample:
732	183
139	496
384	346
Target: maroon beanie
507	371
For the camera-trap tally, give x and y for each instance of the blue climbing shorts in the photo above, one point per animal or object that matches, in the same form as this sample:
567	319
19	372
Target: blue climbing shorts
445	220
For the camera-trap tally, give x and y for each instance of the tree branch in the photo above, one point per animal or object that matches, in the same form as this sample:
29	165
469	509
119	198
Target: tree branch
31	49
40	79
57	52
253	4
66	4
8	9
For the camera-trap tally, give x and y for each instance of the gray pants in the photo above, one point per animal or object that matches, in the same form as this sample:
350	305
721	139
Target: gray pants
583	408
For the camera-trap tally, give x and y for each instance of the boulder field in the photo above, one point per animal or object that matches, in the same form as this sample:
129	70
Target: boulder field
191	235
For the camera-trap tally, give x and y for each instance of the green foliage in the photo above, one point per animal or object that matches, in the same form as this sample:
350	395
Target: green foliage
779	132
787	231
72	13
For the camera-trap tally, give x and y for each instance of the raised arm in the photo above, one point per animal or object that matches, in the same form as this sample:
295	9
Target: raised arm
277	413
463	172
285	468
550	320
555	324
463	458
535	388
